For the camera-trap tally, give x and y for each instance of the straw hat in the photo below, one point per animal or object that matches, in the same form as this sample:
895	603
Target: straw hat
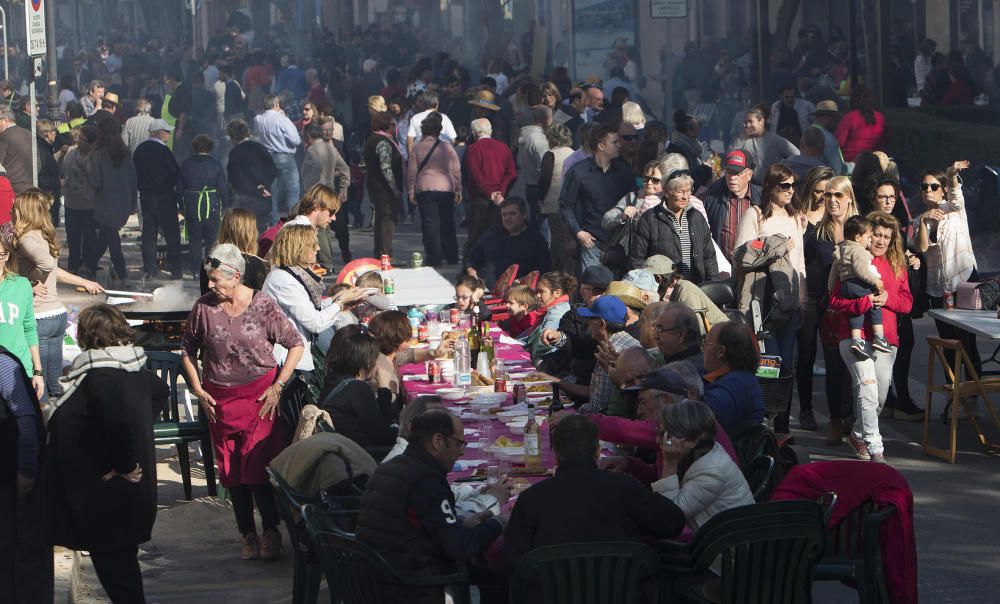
826	108
110	97
627	293
485	100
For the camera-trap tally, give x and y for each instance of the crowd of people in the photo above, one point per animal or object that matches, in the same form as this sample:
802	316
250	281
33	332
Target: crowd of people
618	226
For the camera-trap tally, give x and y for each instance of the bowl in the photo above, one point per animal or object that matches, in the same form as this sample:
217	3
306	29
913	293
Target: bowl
517	426
489	401
451	394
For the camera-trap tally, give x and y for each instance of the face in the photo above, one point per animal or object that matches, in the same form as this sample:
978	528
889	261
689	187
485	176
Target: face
327	131
885	198
753	126
454	89
97	93
310	258
931	191
864	239
678	199
632	368
598	329
595	99
816	195
788	98
784	192
589	293
221	284
463	297
737	182
650	404
881	238
449	449
838	203
669	337
516	308
324	218
4	255
651	184
50	136
546	294
611	147
512	219
308	112
628	137
549	99
713	352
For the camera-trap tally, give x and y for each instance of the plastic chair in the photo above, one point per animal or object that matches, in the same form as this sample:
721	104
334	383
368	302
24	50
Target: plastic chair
585	573
170	430
765	554
758	474
956	391
531	279
854	552
357	574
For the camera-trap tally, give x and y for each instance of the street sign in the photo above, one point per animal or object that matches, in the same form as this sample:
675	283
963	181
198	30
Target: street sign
668	9
34	24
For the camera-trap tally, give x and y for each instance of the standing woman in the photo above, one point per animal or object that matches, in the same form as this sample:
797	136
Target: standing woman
113	177
37	258
81	233
101	470
18	332
812	208
234	329
434	183
872	377
550	178
778	214
384	162
863	128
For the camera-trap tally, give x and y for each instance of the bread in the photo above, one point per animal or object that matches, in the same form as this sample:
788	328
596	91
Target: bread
478	380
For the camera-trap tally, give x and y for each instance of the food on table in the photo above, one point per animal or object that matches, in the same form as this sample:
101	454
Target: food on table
535	377
541	388
478	380
529	471
545	402
450	336
505	442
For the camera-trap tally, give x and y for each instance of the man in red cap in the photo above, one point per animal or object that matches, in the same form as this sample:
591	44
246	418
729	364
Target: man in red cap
729	198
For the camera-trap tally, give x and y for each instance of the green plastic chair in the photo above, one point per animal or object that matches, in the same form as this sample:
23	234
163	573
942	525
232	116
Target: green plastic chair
613	572
170	430
766	553
854	552
759	474
357	574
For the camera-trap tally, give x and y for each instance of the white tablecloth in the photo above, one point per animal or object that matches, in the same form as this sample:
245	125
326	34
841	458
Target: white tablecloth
419	286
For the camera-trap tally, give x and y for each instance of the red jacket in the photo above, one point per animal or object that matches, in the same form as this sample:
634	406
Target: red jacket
489	167
855	136
900	300
855	482
6	199
517	327
266	239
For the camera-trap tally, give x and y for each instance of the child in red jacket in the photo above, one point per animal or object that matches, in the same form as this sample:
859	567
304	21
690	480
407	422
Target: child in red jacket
521	302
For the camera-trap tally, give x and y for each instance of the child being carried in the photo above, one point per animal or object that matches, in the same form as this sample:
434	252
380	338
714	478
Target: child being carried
853	267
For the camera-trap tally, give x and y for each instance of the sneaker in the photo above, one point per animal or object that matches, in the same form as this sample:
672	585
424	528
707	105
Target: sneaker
807	421
818	369
250	547
270	545
858	348
879	458
881	344
907	411
860	448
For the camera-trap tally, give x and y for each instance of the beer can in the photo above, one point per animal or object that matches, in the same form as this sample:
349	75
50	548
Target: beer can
388	286
417	259
454	315
500	384
520	392
385	262
949	300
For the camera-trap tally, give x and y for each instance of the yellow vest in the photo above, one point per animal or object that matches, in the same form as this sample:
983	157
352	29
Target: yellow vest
168	118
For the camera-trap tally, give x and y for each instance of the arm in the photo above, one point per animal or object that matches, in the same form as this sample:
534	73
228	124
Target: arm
545	174
293	299
625	431
638	249
701	487
568	200
34	246
373	412
708	253
432	505
384	151
15	392
291	133
119	416
900	299
613	218
411	174
843	133
850	306
455	167
342	175
510	173
92	287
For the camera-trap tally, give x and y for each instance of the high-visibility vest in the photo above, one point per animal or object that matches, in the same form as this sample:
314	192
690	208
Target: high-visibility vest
168	118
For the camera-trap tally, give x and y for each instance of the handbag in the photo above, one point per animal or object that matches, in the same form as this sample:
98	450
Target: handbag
967	297
615	254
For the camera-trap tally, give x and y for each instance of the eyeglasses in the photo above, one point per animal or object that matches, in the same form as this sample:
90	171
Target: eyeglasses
933	186
885	198
678	174
651	180
786	186
461	443
661	329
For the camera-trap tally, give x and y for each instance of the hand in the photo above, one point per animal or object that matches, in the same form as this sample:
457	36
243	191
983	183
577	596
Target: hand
476	519
613	464
24	485
264	192
913	261
355	294
207	403
674	449
934	214
444	349
791	244
501	490
586	239
93	288
458	197
39	289
957	167
134	476
629	212
879	299
551	336
496	197
38	383
606	356
270	399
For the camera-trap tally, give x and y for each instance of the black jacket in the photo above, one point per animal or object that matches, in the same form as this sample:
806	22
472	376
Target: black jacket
106	424
202	172
582	503
156	169
250	165
497	249
588	192
408	515
655	233
716	200
360	414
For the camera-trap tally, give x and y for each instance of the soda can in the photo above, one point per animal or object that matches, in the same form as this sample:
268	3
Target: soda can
385	262
454	316
433	372
500	384
417	259
949	300
422	332
520	392
388	286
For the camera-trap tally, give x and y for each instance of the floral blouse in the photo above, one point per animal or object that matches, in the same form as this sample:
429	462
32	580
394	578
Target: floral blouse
237	350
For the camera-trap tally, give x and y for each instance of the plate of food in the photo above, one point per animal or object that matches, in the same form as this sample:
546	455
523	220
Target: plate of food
538	388
529	471
481	381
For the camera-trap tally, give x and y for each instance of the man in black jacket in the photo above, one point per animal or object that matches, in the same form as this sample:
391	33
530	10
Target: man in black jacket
511	242
582	503
408	510
156	172
251	171
729	198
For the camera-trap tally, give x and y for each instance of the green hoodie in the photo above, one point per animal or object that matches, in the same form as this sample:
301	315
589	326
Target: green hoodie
17	319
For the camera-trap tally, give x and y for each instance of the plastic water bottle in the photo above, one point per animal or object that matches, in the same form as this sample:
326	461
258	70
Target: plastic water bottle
463	363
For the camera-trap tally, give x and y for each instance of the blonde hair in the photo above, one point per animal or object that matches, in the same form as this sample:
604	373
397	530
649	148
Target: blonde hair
239	227
824	230
632	114
31	213
376	103
523	295
318	197
292	245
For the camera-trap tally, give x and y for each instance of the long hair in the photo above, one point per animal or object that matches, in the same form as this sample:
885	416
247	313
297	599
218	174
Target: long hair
31	213
239	227
109	138
824	230
813	177
894	254
292	245
775	174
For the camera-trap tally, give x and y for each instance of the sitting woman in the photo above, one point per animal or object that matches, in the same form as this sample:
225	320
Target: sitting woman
100	477
554	291
361	408
698	475
392	331
299	292
469	293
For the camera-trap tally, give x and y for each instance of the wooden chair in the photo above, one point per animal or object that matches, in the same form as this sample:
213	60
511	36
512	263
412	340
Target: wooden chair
957	390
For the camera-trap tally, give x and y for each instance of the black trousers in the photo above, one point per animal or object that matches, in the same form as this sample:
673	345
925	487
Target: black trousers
806	351
202	228
118	570
481	215
25	556
108	240
839	394
81	236
437	224
244	496
900	390
159	214
341	229
385	210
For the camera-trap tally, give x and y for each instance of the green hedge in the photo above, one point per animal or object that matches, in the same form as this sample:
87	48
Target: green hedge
922	139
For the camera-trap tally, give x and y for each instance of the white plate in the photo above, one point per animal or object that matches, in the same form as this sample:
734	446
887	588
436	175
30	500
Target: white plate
489	401
421	377
512	414
451	394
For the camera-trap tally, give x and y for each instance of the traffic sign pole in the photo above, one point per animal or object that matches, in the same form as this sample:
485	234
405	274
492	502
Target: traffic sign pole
34	26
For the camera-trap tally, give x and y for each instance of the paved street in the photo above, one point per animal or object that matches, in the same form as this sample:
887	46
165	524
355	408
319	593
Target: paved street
193	555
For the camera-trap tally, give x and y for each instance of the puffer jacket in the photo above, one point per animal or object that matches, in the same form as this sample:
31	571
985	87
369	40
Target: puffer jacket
655	233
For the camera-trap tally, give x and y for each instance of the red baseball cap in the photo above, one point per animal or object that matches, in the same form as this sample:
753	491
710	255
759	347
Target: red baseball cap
736	161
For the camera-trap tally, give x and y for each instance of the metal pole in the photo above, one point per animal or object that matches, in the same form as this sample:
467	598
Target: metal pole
36	70
52	58
194	31
6	69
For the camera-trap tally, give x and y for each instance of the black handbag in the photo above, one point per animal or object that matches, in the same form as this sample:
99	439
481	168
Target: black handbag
615	254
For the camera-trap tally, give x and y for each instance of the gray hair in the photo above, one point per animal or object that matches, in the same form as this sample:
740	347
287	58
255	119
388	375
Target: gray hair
692	420
688	373
417	406
672	185
672	162
271	102
230	260
143	106
687	320
481	127
431	99
6	113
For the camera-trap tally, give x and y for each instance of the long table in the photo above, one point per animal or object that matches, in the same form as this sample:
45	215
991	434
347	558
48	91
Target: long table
983	323
420	286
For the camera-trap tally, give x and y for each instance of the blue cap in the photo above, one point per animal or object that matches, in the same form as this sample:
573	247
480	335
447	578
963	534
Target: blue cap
609	308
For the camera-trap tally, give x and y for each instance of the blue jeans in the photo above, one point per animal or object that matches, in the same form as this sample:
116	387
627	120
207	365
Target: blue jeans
285	190
782	343
50	342
589	256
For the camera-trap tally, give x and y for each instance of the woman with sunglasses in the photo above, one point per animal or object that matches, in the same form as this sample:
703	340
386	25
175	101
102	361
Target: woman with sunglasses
673	230
234	329
626	212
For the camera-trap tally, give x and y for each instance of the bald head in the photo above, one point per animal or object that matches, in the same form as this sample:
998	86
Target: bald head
678	329
632	365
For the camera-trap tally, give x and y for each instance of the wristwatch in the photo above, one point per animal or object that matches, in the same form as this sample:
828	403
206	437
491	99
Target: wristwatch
38	373
280	383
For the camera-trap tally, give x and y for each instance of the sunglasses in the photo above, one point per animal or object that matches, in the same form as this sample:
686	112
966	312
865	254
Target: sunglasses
678	174
651	180
786	186
629	138
835	195
216	263
933	186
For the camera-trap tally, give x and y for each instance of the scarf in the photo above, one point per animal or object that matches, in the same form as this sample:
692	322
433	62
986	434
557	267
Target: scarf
312	283
129	358
648	203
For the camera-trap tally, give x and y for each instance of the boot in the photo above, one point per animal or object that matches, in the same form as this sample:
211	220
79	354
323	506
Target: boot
836	433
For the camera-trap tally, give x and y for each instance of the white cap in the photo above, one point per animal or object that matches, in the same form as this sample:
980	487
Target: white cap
160	125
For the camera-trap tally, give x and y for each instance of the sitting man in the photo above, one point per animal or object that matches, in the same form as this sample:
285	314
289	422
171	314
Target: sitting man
731	387
574	505
678	336
675	288
408	509
511	242
607	321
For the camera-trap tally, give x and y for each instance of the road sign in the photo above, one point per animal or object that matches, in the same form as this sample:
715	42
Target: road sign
34	20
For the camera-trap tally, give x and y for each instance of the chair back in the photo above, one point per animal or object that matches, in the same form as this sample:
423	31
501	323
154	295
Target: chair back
167	366
531	279
504	281
585	573
766	551
758	474
290	504
847	537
